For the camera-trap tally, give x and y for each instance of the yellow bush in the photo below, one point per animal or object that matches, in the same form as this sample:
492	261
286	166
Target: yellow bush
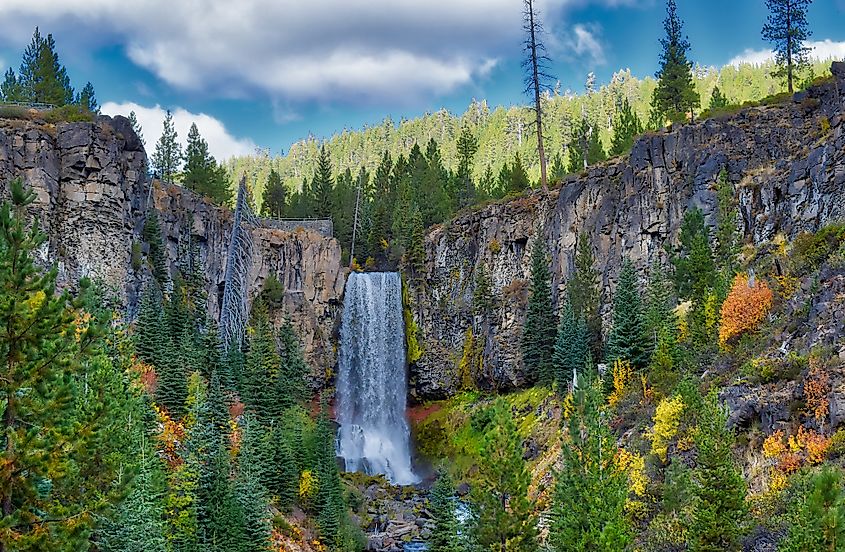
622	373
774	446
307	486
667	418
744	308
634	465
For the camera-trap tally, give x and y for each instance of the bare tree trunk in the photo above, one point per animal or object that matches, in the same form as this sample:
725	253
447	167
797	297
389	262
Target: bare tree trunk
535	83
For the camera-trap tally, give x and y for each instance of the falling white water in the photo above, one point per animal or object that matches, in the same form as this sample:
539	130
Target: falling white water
372	387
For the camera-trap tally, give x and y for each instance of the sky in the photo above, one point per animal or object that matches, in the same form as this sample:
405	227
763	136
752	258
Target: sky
266	73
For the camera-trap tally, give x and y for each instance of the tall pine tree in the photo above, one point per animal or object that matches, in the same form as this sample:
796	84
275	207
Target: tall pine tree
786	28
627	339
167	157
675	95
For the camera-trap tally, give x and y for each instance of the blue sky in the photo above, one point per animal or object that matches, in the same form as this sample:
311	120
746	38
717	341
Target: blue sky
269	72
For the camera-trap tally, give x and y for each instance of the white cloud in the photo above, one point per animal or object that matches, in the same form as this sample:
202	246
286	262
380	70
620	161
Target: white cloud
221	143
821	50
355	50
586	42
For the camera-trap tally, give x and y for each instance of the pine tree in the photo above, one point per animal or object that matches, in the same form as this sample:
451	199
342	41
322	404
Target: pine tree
505	521
467	145
136	126
538	333
558	169
718	487
149	331
517	181
202	174
87	99
819	520
445	536
50	491
717	99
273	198
675	94
416	244
42	78
11	89
727	232
167	157
583	292
626	127
595	150
323	185
627	339
171	380
786	28
591	488
578	148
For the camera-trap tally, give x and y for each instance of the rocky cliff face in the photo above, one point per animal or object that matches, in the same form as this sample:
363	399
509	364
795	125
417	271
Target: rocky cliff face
92	198
787	162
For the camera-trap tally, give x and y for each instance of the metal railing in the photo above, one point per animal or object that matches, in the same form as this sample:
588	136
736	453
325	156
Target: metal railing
29	105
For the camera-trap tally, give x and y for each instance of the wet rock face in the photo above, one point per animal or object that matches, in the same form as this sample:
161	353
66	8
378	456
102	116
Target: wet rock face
786	161
93	194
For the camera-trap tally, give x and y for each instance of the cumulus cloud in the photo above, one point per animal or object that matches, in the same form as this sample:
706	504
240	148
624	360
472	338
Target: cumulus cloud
820	50
585	41
221	143
355	50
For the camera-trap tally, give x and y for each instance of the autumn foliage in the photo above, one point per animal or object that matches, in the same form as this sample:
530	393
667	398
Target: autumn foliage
745	307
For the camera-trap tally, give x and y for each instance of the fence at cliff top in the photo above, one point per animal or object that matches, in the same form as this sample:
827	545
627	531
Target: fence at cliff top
29	105
324	227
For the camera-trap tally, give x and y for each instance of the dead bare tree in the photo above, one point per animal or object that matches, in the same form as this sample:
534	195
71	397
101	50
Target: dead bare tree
536	66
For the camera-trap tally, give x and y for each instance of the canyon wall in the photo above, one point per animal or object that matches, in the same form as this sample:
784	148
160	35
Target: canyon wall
786	161
93	195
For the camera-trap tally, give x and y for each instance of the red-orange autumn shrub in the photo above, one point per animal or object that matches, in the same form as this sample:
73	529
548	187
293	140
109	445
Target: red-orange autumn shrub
744	308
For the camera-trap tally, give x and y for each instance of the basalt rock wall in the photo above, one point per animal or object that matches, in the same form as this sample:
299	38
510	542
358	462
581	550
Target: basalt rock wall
786	161
93	195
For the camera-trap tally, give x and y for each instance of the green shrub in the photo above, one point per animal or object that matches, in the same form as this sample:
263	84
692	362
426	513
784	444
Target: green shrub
810	251
14	112
70	113
273	292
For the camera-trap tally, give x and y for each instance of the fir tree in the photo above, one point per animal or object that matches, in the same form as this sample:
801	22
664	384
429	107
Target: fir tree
171	380
322	185
727	232
675	94
445	535
504	514
283	477
331	508
558	170
571	347
151	234
786	28
87	99
595	150
659	303
538	333
167	157
717	99
626	127
42	78
482	293
583	292
591	488
627	339
261	365
695	270
578	148
291	384
718	487
273	199
149	329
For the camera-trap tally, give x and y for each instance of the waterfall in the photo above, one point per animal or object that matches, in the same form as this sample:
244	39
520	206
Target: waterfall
371	386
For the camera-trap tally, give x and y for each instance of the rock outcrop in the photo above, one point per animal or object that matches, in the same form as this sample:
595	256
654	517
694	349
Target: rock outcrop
93	194
787	162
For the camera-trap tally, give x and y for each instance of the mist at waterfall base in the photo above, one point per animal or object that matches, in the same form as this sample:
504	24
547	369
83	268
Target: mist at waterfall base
372	382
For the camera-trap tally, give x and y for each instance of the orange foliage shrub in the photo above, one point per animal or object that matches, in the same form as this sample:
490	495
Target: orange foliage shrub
816	391
814	444
744	308
171	435
789	463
